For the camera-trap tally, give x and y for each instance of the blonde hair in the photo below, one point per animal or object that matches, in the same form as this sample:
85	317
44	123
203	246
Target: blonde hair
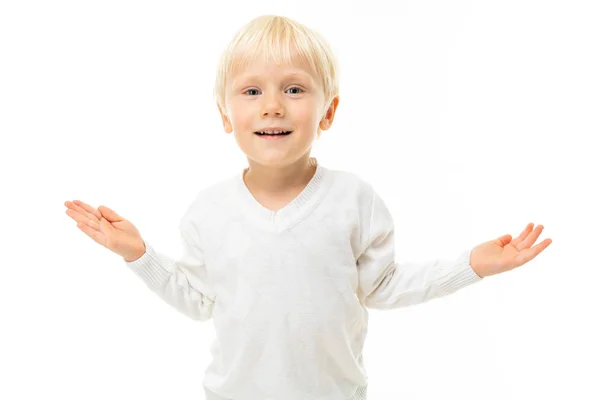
273	37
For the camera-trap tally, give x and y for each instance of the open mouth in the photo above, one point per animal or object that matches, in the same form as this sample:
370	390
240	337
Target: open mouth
273	134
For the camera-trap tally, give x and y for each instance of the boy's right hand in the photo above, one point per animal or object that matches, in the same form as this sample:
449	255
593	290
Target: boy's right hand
108	228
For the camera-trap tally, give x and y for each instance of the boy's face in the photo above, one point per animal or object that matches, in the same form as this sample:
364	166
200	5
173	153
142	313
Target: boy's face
263	96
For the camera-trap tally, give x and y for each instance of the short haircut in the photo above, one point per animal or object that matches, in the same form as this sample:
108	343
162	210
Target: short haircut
274	38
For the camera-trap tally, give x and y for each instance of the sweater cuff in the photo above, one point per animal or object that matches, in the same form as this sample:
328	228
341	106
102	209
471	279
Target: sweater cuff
463	275
150	268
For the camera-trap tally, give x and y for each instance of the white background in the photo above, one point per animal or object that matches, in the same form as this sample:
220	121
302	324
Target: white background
470	118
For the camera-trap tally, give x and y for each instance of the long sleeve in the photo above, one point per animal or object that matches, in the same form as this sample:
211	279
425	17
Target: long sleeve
387	284
183	283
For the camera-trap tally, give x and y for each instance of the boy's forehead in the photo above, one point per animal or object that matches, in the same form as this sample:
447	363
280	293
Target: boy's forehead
260	69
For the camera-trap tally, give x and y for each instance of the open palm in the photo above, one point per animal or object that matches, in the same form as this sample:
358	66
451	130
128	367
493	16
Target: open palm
107	228
505	253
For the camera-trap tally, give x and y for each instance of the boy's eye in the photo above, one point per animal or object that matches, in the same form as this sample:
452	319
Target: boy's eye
296	87
299	90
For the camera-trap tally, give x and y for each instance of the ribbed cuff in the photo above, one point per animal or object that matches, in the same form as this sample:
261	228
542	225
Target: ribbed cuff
463	275
361	394
150	268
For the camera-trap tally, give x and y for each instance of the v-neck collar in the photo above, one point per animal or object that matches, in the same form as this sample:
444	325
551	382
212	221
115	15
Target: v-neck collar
277	221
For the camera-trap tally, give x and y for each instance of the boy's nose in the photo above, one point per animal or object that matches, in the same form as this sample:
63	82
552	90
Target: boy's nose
272	106
274	111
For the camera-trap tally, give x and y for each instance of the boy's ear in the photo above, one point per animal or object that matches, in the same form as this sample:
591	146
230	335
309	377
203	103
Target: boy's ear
226	123
329	114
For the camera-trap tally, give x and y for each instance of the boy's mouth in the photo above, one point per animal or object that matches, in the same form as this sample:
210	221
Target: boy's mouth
269	133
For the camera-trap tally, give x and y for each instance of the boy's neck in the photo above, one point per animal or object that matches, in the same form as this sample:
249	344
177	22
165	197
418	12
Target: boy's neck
281	181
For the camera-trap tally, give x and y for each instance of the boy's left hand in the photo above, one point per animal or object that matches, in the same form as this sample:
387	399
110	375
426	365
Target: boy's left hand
506	253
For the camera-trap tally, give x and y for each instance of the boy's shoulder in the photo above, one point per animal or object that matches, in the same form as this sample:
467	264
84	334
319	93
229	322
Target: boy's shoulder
348	181
353	187
211	198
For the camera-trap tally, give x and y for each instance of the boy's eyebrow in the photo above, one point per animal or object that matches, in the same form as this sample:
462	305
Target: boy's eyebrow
255	76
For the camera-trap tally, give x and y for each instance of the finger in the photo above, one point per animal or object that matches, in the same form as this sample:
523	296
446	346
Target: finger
81	219
92	233
531	238
79	210
89	209
529	254
523	234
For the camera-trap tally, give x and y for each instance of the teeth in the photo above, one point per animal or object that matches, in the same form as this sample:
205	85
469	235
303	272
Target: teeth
271	132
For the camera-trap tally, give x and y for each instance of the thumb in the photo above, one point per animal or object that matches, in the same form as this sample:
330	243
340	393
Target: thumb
506	239
109	214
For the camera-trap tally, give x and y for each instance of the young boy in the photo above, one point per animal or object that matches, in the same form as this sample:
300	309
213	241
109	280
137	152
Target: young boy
287	255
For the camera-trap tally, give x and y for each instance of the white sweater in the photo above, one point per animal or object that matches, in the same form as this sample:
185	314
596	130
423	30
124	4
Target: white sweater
288	290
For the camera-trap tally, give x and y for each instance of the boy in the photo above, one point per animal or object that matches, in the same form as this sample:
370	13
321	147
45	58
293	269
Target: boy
287	255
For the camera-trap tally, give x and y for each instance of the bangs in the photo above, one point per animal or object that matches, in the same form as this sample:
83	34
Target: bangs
280	47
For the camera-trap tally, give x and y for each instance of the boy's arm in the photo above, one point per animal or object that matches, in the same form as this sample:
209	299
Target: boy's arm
182	283
386	284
